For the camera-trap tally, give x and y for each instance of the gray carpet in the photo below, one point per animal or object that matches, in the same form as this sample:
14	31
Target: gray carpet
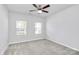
39	47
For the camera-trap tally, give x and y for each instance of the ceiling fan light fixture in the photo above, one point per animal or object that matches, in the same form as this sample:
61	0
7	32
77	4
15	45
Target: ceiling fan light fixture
39	11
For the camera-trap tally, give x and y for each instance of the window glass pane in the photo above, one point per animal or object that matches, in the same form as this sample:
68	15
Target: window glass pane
20	27
38	27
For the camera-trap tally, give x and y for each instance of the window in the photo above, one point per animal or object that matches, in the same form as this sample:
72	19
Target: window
20	27
38	27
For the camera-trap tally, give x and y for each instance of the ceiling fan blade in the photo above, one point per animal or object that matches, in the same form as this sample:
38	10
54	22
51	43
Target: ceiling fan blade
46	6
32	10
35	5
44	11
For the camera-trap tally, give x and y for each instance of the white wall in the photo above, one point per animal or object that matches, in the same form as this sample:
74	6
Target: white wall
3	29
63	27
13	17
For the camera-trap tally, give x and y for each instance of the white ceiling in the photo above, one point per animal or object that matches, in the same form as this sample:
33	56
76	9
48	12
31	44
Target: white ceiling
24	8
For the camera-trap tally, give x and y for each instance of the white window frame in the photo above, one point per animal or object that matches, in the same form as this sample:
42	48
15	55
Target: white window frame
38	28
21	27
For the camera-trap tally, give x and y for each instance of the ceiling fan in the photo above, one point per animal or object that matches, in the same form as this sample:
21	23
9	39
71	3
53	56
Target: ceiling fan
40	9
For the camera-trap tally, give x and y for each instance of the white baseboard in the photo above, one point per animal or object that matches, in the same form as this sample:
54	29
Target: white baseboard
25	41
63	44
